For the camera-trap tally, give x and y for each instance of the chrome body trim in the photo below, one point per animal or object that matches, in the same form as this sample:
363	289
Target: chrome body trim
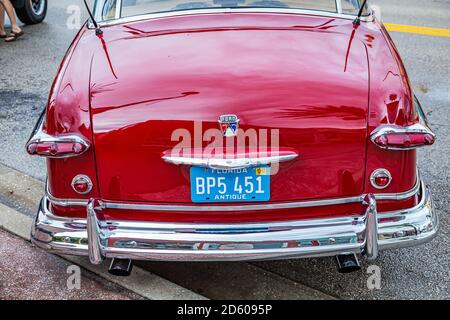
216	208
364	234
147	16
228	163
38	135
64	202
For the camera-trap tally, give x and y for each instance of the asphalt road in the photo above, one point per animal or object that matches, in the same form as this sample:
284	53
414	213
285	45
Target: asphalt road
28	66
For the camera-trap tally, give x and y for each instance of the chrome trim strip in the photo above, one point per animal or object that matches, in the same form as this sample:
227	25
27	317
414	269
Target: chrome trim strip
38	135
189	226
402	195
224	164
267	206
253	241
105	23
250	207
64	202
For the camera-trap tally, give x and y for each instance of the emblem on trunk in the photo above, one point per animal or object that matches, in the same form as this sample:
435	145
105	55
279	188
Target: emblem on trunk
229	125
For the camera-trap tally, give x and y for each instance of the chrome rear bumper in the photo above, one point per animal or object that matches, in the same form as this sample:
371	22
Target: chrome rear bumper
364	234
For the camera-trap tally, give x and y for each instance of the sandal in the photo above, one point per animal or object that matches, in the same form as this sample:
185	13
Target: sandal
13	36
3	36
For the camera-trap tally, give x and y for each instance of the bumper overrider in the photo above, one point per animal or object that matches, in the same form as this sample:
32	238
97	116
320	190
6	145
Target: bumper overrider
363	234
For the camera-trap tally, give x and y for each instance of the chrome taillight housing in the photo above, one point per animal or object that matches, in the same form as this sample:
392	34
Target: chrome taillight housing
63	146
57	147
403	138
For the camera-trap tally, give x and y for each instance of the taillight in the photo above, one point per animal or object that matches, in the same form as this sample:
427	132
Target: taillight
65	147
380	178
403	138
82	184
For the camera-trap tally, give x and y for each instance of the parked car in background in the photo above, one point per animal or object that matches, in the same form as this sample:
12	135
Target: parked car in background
30	11
232	130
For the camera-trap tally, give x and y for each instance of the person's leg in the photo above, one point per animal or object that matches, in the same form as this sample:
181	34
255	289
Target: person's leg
2	21
11	14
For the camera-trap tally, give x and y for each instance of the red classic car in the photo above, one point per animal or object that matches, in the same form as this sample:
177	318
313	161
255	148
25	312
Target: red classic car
232	130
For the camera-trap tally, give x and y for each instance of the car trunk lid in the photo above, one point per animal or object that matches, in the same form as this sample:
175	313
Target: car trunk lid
301	91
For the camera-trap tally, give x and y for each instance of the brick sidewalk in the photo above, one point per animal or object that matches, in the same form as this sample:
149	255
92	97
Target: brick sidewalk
27	272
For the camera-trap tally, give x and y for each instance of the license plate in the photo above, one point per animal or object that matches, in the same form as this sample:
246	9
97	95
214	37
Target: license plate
236	185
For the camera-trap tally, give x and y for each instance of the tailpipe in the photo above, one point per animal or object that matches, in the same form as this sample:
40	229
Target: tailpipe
347	263
121	267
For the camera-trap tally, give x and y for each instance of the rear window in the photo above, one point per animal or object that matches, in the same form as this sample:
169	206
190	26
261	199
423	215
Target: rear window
111	9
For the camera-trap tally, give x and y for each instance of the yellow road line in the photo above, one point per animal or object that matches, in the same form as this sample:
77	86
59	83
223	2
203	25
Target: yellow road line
418	30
